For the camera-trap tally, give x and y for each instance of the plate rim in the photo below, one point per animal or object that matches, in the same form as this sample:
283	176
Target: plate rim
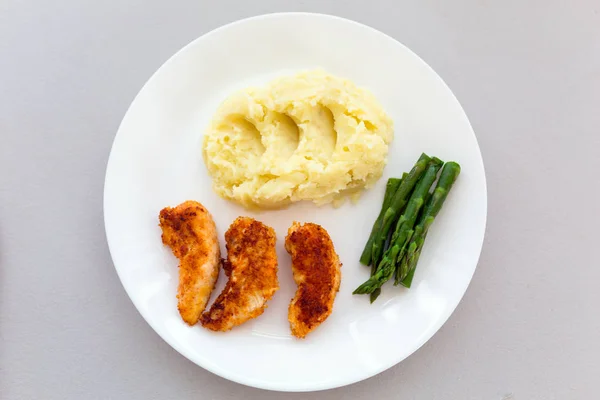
308	387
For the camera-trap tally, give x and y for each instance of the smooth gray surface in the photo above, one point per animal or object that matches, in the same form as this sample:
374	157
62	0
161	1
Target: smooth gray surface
527	74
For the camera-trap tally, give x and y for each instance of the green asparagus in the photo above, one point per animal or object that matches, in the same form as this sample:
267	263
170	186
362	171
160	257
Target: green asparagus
374	295
397	205
385	270
408	280
390	189
416	201
412	261
409	262
411	258
403	232
413	245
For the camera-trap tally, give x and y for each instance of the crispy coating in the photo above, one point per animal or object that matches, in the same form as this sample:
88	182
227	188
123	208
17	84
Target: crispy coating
251	267
191	233
317	272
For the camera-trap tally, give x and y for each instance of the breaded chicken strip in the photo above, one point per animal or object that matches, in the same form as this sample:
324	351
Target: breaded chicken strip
251	267
317	272
191	233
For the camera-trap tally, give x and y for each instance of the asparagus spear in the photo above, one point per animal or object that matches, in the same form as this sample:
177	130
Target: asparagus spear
365	258
403	267
407	221
385	270
412	261
412	246
397	204
411	273
373	296
390	188
417	199
409	262
403	232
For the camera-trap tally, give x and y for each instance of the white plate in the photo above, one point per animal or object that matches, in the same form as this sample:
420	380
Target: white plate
156	161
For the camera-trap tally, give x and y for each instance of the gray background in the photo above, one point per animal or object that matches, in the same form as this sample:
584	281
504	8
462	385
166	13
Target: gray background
528	76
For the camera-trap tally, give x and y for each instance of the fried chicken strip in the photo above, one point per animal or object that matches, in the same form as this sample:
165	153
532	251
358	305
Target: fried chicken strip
190	232
251	267
317	272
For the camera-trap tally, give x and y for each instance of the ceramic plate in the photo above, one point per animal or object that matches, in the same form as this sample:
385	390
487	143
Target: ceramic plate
156	161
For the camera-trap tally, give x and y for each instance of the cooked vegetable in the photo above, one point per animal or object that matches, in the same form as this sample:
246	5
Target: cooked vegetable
397	204
409	204
390	189
403	232
409	263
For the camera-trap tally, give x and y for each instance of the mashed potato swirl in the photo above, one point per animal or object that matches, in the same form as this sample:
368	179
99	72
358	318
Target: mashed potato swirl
312	136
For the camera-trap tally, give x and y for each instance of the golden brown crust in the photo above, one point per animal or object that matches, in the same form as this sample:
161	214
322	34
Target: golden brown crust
251	267
191	233
317	272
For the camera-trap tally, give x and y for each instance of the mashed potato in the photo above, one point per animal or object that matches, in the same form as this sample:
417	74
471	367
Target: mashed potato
312	136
